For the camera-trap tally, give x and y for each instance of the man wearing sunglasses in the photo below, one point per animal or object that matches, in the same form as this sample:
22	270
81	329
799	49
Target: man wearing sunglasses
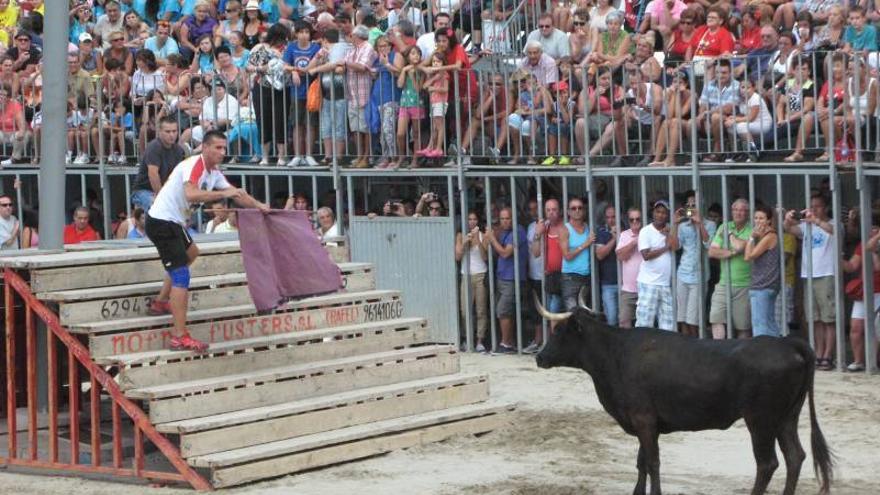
575	241
630	262
554	41
25	56
9	226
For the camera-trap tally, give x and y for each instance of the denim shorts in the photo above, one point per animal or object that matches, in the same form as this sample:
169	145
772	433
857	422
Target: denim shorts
143	198
335	125
763	302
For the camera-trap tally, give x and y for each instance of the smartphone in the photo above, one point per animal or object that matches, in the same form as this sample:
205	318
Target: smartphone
630	100
796	215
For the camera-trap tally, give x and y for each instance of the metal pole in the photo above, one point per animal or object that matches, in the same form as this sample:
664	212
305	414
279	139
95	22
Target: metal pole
540	192
780	213
54	142
491	272
465	265
517	276
725	265
867	271
808	261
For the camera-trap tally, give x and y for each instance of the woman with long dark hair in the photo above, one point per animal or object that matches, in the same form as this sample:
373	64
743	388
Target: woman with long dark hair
269	89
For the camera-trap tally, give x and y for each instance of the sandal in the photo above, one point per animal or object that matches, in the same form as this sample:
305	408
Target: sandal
794	158
823	158
824	364
711	157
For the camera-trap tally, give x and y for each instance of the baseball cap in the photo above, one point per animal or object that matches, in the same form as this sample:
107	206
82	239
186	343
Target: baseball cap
662	203
83	37
561	86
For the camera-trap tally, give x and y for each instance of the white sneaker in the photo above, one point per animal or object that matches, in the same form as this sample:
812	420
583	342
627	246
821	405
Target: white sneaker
264	161
254	159
295	162
310	161
532	348
68	157
82	159
6	162
115	158
281	161
480	347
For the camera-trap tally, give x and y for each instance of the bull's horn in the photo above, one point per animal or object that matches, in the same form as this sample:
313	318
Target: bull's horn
546	314
582	299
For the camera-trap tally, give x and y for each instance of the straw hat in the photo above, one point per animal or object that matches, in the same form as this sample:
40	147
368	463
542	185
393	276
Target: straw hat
252	5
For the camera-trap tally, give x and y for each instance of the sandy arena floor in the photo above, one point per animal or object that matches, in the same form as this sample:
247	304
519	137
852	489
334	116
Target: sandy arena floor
561	442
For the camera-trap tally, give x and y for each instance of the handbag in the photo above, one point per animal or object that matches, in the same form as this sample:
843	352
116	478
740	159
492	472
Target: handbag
313	96
854	289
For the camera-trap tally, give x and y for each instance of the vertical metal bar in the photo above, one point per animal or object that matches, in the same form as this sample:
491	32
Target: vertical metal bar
837	239
117	434
465	268
490	262
619	211
73	391
31	347
267	191
349	194
52	371
808	255
11	408
674	278
540	197
780	213
564	206
138	449
517	276
725	265
127	179
643	183
868	268
591	227
95	416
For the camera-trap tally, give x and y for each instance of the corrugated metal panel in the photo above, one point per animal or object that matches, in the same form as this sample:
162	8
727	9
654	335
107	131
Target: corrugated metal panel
417	257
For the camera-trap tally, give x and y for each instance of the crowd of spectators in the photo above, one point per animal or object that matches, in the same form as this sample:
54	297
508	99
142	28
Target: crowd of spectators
388	83
649	266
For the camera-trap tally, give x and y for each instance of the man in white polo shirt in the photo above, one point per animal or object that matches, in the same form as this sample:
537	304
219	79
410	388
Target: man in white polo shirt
195	180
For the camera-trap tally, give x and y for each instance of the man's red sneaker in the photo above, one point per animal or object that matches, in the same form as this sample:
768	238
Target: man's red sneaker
159	308
187	343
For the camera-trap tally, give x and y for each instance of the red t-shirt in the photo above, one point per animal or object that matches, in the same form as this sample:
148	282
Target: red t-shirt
710	44
839	94
858	253
679	46
467	80
751	40
73	236
553	255
8	115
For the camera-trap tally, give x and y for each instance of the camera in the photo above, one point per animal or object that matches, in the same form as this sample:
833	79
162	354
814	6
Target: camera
796	215
630	100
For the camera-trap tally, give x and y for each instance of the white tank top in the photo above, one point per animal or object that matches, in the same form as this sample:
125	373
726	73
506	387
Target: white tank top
477	263
863	98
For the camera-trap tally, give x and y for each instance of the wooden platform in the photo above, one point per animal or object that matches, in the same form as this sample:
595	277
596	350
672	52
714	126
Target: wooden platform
319	381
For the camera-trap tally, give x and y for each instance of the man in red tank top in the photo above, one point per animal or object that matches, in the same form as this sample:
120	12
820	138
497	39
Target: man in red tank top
547	233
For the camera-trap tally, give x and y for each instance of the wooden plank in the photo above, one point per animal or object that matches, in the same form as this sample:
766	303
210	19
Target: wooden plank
265	413
126	272
321	380
346	309
316	421
336	454
250	378
237	475
93	293
258	343
345	435
308	350
201	297
106	255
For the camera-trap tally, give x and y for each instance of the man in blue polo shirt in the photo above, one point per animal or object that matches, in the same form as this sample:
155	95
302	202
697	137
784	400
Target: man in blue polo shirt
502	242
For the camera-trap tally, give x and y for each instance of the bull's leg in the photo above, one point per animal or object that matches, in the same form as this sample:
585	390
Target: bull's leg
649	450
793	453
643	473
764	448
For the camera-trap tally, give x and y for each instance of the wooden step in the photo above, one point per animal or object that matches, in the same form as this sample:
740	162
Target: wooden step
225	358
268	424
106	266
267	460
241	322
215	291
209	396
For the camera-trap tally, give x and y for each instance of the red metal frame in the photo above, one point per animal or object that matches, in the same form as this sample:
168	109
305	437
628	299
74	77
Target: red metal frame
78	356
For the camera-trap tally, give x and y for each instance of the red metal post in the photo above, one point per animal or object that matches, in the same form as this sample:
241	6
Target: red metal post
95	403
138	451
117	436
31	345
11	407
52	370
73	391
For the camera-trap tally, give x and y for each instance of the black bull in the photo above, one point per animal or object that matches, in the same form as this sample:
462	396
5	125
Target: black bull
652	381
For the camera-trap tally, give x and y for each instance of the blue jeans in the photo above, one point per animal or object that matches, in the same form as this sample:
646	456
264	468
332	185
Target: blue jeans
764	312
143	198
609	303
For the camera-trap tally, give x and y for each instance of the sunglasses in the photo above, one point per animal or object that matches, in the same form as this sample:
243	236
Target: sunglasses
22	38
575	208
579	23
636	219
114	40
545	26
433	208
5	205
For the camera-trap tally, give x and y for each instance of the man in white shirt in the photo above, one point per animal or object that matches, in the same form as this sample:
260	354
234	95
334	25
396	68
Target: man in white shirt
817	233
657	242
426	41
9	226
108	23
195	180
554	41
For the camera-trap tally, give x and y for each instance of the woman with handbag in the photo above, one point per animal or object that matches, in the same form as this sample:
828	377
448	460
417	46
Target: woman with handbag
270	73
854	290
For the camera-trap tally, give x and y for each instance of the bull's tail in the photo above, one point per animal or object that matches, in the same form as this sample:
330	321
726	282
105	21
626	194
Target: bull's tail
823	457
